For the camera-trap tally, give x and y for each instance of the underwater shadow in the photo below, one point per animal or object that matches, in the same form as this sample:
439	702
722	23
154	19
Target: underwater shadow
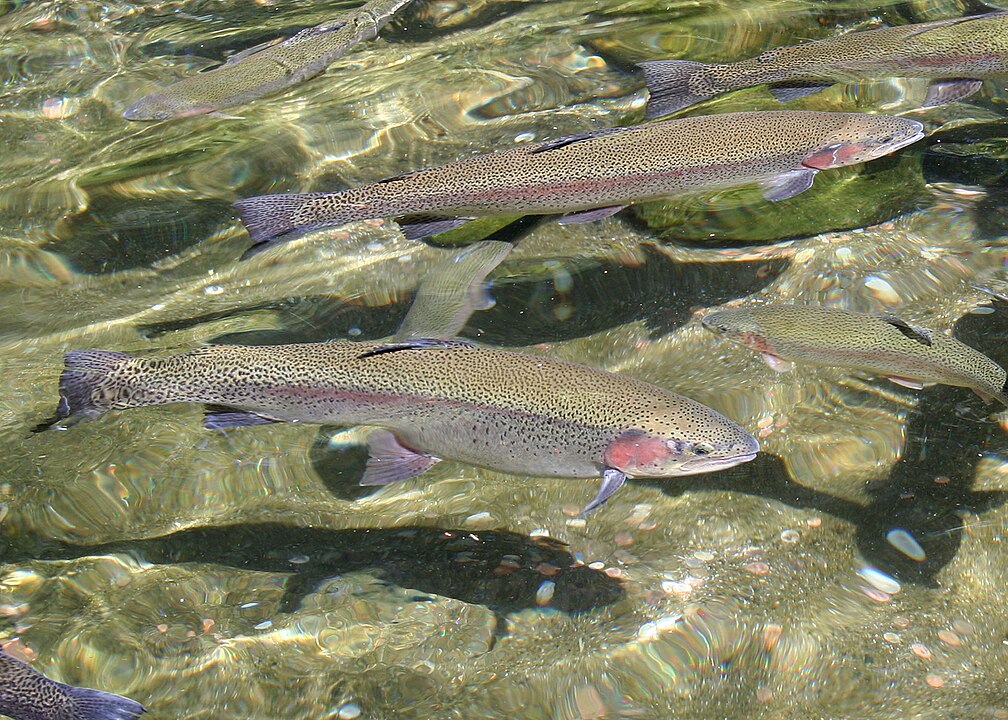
498	569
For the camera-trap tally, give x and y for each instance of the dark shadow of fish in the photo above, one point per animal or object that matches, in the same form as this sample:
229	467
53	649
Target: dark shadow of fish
498	569
659	291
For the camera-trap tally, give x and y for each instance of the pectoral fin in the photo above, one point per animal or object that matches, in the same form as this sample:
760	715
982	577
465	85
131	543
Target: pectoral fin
586	216
612	480
787	185
785	93
390	461
946	91
778	364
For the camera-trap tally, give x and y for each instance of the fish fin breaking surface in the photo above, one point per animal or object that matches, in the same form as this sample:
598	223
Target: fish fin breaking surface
787	185
389	461
612	480
586	216
668	83
417	228
917	334
413	344
942	92
220	418
786	93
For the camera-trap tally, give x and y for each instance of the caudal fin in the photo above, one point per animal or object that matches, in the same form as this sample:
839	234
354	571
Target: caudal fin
84	372
269	216
98	705
668	82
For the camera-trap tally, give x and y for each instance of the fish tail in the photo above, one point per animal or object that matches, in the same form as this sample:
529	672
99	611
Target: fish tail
267	217
669	84
98	705
85	375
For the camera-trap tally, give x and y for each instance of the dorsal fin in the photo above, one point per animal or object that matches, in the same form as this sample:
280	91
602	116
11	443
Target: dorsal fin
917	334
416	344
571	139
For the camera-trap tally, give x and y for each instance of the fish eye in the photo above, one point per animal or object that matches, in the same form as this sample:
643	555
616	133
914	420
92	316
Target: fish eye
703	449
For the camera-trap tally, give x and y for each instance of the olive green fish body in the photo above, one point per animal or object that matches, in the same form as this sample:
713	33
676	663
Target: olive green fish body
503	410
600	171
27	694
880	344
972	48
265	69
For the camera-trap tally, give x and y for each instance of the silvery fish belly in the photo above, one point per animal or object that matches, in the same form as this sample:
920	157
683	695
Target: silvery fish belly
595	174
430	400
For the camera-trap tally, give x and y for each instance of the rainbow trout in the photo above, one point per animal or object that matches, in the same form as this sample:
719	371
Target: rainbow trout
429	399
907	354
956	54
27	694
595	174
267	68
453	291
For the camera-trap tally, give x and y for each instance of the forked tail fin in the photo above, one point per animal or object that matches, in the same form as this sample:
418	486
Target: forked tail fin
85	371
668	82
99	705
267	217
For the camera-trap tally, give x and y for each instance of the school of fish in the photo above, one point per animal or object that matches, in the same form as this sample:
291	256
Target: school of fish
427	396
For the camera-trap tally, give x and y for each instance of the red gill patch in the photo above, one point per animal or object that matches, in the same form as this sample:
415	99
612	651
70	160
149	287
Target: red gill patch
635	449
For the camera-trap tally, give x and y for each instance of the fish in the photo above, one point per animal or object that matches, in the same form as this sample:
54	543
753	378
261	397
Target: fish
267	68
27	694
956	54
884	344
453	291
592	175
427	400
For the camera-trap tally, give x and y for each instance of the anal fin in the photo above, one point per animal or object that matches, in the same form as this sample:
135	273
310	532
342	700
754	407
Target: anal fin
586	216
418	228
906	382
942	92
786	93
778	364
220	418
389	461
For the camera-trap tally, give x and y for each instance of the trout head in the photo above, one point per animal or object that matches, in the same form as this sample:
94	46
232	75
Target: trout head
686	441
739	325
865	138
159	106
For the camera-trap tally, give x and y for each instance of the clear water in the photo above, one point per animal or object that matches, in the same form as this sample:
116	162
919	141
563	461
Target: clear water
247	575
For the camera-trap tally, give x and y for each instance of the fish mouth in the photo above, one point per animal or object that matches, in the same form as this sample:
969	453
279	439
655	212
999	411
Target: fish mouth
709	464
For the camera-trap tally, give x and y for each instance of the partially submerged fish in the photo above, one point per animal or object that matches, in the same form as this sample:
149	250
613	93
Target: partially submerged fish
267	68
957	54
595	174
430	399
27	694
453	291
907	354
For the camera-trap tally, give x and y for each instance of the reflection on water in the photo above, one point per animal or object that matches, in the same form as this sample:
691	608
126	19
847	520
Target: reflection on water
246	574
